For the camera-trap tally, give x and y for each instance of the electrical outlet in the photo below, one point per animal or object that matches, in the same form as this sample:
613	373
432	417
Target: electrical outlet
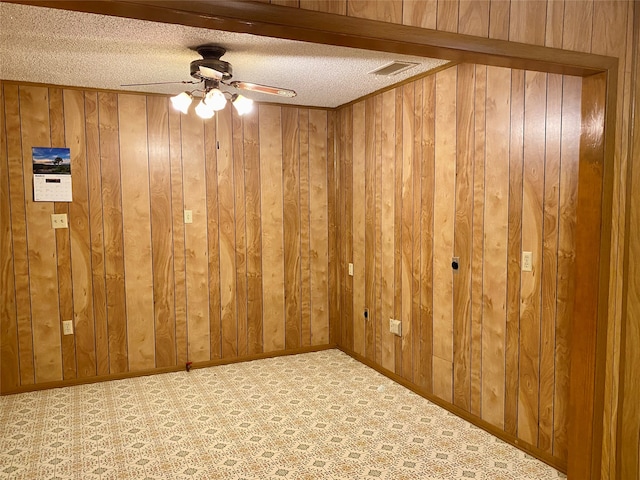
351	269
67	327
59	220
395	327
188	216
527	261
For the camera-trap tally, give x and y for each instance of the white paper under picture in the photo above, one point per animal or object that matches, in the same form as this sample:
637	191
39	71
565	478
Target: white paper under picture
51	174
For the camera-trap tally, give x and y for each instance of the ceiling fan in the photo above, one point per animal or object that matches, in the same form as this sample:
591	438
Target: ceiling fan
213	72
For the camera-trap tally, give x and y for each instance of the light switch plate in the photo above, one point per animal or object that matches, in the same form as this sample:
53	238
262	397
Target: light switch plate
351	269
395	327
67	327
527	261
59	220
188	216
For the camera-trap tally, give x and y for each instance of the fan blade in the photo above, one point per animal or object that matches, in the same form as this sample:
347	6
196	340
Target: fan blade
255	87
154	83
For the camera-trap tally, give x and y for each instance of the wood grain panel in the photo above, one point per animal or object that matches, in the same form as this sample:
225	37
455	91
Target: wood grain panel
199	252
291	206
555	21
443	238
378	318
370	228
305	199
387	339
496	212
227	234
338	7
136	223
416	325
516	145
177	223
9	354
578	22
19	232
447	17
407	116
420	13
319	127
345	138
527	21
389	11
473	17
94	182
550	260
212	233
397	229
427	182
570	149
113	240
531	282
63	243
81	270
332	213
254	233
161	230
35	131
465	145
499	16
358	199
240	226
272	227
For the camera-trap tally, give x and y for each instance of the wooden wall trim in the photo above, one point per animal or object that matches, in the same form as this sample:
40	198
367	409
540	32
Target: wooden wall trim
318	27
478	422
176	368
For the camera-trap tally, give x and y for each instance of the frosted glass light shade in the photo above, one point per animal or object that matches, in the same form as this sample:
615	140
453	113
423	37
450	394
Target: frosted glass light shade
215	99
203	110
243	104
181	102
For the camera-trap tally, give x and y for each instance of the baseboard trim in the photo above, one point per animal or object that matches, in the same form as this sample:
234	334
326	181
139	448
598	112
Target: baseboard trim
175	368
478	422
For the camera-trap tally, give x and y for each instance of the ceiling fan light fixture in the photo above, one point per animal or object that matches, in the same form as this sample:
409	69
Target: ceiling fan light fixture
243	104
182	101
204	111
215	99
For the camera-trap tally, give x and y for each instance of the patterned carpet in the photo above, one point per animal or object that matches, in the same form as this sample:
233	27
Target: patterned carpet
313	416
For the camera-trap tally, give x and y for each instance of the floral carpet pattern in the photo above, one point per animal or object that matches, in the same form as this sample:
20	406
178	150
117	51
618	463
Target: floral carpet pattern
319	415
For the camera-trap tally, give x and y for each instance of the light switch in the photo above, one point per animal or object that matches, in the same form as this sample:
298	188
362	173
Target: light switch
395	327
351	269
527	261
59	220
188	216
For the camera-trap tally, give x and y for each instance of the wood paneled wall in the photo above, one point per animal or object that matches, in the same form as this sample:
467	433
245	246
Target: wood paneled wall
602	27
144	289
478	163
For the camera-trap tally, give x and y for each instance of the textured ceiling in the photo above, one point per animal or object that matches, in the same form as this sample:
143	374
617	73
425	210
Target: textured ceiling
60	47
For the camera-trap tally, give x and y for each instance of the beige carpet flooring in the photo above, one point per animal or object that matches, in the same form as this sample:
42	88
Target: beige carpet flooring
314	416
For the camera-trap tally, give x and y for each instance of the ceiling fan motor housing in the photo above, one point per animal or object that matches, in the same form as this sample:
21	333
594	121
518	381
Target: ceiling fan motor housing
211	59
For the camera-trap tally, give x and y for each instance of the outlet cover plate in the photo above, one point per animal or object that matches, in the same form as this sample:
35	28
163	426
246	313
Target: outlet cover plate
59	220
67	327
188	216
527	261
395	327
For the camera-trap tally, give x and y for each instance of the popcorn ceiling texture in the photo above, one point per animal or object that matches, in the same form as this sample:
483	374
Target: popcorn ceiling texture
60	47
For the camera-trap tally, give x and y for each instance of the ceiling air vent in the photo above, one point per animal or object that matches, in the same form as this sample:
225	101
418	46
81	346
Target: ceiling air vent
393	68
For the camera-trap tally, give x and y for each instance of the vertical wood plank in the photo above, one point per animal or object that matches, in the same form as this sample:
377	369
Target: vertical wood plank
443	238
254	232
96	229
332	213
203	307
291	206
41	252
338	7
240	232
496	239
370	228
213	302
531	285
83	316
477	283
416	325
17	198
499	13
136	222
177	223
527	21
389	11
473	17
397	229
63	244
378	229
465	145
272	227
569	167
407	232
319	242
549	284
346	222
447	19
358	199
516	145
305	238
420	13
9	354
555	21
578	24
161	230
427	230
387	227
113	240
227	234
